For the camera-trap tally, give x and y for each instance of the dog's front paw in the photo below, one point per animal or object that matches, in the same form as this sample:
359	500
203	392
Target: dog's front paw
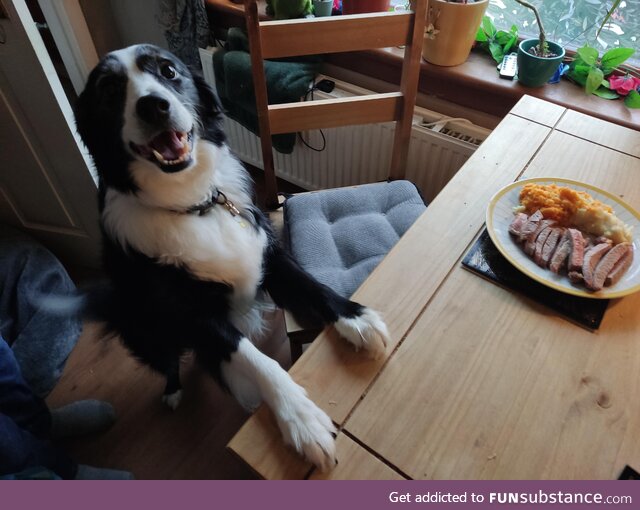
366	330
308	429
172	400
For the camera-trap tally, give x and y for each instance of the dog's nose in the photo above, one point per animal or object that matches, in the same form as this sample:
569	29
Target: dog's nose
153	109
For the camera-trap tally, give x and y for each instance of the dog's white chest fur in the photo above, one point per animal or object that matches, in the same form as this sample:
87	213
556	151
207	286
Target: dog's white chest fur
216	246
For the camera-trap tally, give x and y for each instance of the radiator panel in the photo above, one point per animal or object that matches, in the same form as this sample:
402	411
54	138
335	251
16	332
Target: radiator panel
357	155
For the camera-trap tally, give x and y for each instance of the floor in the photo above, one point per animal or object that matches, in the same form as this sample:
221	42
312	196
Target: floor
148	438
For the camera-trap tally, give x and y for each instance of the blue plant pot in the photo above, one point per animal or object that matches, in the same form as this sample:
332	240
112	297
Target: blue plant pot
535	71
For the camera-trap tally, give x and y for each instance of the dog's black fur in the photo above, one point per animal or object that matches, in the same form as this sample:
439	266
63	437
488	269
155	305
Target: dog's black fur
162	310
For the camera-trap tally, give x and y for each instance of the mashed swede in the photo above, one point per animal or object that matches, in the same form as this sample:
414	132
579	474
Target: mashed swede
574	208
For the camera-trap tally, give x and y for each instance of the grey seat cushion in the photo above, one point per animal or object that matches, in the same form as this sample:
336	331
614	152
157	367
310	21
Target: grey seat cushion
340	235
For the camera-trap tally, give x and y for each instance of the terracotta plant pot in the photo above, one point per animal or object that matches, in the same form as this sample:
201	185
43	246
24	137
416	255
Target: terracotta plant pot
454	30
360	6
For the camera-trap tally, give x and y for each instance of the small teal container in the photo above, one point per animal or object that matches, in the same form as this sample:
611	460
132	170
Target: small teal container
535	71
322	8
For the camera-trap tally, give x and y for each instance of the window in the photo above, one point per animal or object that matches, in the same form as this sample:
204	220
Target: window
571	23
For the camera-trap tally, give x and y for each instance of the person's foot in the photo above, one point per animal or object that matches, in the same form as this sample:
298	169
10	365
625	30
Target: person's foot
93	473
80	418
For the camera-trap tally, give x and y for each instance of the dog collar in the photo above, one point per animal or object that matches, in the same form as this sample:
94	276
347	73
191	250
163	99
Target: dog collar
217	198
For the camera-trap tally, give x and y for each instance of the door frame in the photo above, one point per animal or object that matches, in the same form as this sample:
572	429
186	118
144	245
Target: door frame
71	34
36	101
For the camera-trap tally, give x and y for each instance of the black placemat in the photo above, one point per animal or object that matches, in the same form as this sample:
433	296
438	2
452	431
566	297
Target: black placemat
484	259
629	474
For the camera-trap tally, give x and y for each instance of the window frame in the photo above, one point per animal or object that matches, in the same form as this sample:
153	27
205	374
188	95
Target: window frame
474	84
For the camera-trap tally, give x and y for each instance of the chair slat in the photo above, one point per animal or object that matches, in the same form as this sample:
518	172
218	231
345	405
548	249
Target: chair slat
409	89
276	39
328	113
335	34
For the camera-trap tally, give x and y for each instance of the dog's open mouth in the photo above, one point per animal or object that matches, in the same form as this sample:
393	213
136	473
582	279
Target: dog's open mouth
171	150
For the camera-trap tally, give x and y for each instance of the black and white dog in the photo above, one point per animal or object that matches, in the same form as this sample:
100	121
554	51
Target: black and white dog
188	254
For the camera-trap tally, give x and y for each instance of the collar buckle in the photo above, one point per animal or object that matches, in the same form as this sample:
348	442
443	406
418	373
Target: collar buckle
217	198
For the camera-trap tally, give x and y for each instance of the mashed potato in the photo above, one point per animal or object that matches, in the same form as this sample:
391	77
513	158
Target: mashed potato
574	208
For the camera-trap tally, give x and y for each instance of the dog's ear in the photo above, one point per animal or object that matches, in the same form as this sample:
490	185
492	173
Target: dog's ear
82	109
210	111
102	98
209	100
87	110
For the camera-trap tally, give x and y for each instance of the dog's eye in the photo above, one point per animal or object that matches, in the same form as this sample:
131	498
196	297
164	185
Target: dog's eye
168	71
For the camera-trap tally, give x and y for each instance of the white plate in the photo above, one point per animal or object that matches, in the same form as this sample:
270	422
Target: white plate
500	215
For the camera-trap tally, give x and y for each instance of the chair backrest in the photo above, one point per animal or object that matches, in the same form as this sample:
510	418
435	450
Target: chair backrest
334	34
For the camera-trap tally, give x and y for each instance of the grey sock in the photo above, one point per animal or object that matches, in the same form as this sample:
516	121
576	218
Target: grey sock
80	418
93	473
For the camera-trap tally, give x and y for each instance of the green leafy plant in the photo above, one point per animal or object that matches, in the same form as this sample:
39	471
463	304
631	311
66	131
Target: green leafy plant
595	73
542	48
496	42
605	76
633	99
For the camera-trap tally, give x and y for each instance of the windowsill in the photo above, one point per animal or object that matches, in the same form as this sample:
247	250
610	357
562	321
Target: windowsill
474	84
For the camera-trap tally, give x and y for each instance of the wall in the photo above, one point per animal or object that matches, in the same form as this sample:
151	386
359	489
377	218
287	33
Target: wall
425	101
137	21
117	23
102	25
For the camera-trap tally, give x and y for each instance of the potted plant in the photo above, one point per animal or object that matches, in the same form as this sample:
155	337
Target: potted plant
607	76
538	59
451	30
322	8
497	43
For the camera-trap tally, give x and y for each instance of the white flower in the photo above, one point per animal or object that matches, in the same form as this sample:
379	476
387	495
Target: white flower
431	31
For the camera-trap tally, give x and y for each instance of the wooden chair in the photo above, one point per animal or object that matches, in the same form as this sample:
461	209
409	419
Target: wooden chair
334	34
313	36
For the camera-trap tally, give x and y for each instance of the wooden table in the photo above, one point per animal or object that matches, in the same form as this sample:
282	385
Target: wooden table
480	382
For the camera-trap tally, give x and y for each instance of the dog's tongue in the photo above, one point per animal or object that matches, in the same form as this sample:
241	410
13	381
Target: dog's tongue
168	144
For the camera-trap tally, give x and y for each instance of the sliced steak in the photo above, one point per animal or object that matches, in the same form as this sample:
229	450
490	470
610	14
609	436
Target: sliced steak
550	246
518	222
530	226
607	263
576	257
530	244
619	269
575	277
540	242
561	255
602	239
590	262
591	241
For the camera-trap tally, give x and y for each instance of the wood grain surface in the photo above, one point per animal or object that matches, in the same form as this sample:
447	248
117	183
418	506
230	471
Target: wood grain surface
334	375
480	382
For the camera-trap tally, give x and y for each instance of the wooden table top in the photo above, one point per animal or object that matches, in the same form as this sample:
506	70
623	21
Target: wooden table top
479	382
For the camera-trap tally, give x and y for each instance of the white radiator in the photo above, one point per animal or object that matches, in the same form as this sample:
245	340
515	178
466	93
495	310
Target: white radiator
360	154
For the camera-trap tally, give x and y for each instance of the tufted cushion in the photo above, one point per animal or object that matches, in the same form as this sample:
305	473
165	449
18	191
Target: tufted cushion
340	235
